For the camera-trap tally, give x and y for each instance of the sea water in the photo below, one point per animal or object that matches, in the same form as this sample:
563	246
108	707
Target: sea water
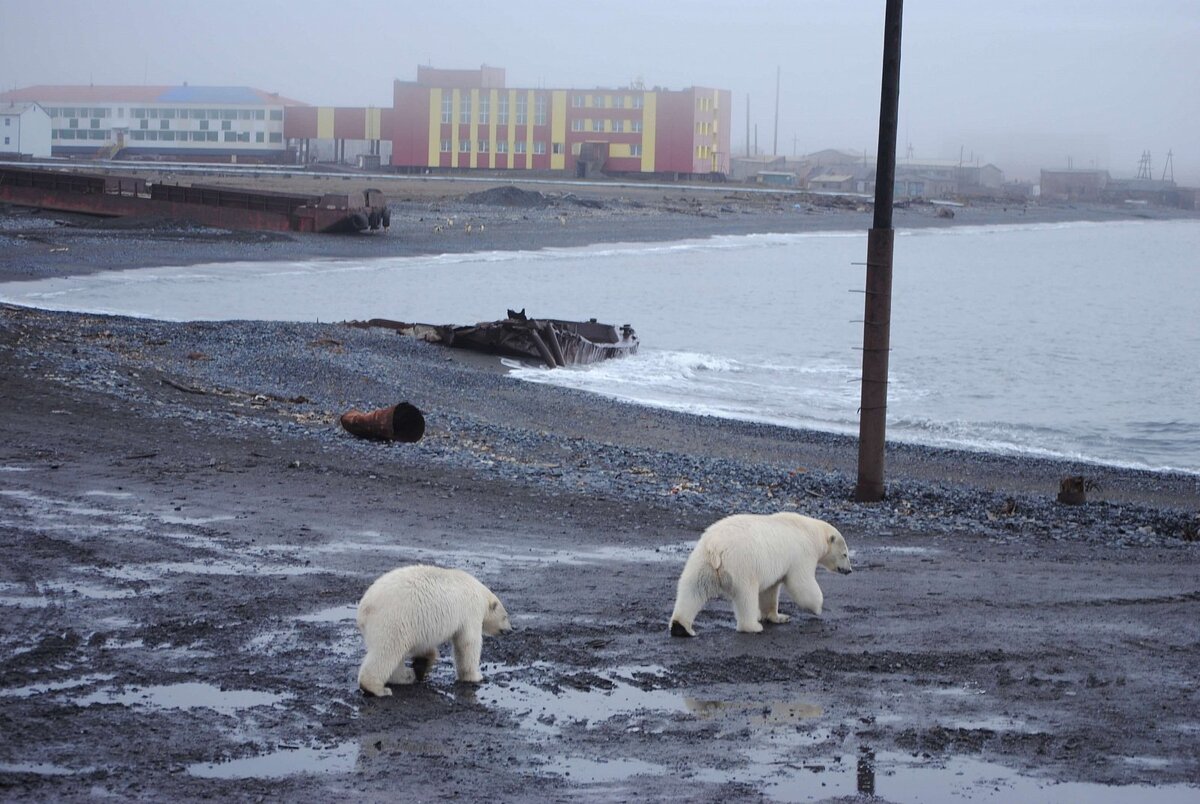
1078	340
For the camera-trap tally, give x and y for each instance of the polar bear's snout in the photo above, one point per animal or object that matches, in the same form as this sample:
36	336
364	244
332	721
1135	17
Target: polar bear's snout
844	570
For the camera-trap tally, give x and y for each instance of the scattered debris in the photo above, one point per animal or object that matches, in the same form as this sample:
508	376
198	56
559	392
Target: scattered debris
552	341
1073	490
400	422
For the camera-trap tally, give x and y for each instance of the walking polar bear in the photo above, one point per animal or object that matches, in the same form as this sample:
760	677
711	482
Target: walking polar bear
745	558
410	611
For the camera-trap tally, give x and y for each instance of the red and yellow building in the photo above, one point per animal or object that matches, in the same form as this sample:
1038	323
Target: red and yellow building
469	119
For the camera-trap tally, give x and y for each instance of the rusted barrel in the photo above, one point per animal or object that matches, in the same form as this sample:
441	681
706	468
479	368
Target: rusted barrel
400	422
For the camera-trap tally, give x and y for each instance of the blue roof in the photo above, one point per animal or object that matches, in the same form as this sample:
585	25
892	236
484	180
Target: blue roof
211	95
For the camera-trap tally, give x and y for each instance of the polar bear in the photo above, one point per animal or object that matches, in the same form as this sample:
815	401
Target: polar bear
745	558
410	611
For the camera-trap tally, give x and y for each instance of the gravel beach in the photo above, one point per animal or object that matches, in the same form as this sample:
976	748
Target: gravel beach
188	530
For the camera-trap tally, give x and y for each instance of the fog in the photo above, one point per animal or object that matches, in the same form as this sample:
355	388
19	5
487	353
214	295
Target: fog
1022	84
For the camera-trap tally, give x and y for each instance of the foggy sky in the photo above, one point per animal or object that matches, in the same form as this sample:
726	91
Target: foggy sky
1022	84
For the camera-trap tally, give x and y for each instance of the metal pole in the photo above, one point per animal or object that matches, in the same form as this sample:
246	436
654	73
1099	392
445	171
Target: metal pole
878	306
775	142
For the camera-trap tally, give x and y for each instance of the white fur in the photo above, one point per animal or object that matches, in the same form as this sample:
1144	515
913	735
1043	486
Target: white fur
745	558
410	611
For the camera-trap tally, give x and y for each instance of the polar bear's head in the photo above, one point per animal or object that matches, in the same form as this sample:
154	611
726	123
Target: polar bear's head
837	554
495	620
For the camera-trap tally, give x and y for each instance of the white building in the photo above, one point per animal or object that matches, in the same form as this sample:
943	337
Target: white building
198	123
24	129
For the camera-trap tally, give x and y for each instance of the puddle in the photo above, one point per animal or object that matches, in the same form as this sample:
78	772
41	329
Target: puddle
188	695
120	495
14	469
898	550
40	769
542	710
490	556
335	614
902	778
757	712
150	572
592	771
175	519
51	686
340	758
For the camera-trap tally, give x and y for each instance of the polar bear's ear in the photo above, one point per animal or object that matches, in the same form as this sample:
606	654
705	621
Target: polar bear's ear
832	538
495	602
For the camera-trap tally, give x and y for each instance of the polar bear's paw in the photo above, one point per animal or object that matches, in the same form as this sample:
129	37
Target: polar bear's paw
678	629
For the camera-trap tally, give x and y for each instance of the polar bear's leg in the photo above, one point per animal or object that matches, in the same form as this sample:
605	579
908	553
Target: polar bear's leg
375	671
423	661
468	647
688	602
805	592
745	607
768	605
402	675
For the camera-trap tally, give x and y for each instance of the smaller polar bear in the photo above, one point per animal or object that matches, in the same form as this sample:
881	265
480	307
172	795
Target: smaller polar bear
410	611
745	558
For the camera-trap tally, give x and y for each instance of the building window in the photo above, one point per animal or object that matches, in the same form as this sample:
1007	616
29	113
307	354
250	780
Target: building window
464	109
616	125
243	136
98	135
576	148
245	114
577	124
230	136
637	126
522	110
6	140
211	136
447	109
502	110
276	136
144	124
519	147
539	110
445	146
166	136
637	101
260	114
635	150
259	136
501	147
164	124
483	146
464	146
226	125
539	147
485	109
204	125
95	123
557	148
597	125
277	114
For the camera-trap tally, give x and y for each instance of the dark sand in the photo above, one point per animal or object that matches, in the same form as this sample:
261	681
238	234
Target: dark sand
188	529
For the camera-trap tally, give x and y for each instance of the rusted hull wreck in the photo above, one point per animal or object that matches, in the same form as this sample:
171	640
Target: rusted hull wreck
553	342
224	207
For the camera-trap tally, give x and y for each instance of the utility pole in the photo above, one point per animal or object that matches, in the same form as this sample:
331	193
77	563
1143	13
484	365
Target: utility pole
747	124
775	143
877	319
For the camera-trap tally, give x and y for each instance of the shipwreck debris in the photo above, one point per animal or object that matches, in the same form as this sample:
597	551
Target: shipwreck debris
400	422
225	207
554	342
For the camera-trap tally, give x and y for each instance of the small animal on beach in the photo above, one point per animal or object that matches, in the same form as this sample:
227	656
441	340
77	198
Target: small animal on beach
409	612
746	558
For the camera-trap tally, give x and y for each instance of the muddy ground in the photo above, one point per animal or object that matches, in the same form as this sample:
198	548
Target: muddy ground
187	531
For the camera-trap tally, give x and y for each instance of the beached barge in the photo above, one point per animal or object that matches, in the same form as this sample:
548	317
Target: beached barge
551	341
228	208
